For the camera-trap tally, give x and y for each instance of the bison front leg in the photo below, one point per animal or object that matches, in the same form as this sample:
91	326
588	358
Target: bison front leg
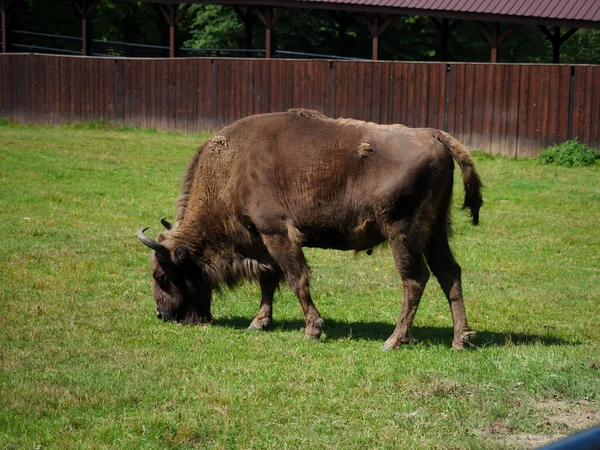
289	256
268	285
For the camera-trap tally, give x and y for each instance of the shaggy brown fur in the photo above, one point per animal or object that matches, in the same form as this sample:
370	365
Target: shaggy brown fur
268	185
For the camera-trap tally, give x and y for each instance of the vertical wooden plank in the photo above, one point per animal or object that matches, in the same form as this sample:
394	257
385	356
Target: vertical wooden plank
4	87
595	105
455	100
64	63
186	94
99	87
326	87
562	107
585	126
52	91
109	89
433	95
543	123
172	94
359	78
553	106
120	92
151	94
127	94
402	89
336	89
478	107
7	89
385	93
411	95
395	88
86	89
423	99
527	138
180	95
35	90
142	80
469	87
522	108
489	107
191	70
376	92
352	102
247	88
163	83
442	68
506	123
265	92
257	78
274	93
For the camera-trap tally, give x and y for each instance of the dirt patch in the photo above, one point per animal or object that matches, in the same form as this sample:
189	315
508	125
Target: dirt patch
558	419
571	416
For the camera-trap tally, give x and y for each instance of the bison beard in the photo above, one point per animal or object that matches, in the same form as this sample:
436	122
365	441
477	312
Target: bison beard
268	185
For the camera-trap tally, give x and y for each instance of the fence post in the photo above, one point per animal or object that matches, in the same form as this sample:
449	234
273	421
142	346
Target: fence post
571	94
447	97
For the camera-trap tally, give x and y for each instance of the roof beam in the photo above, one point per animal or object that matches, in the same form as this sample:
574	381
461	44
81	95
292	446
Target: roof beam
493	39
85	9
377	28
556	39
269	21
173	15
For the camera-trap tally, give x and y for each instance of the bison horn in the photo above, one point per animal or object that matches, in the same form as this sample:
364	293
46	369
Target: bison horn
162	252
168	225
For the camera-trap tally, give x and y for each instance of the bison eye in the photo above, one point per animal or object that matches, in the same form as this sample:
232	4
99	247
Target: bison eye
161	279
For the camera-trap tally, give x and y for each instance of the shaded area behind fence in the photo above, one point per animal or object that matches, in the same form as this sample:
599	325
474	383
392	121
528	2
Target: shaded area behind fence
513	110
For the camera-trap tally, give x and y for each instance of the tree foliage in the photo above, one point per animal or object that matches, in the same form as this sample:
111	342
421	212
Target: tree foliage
409	38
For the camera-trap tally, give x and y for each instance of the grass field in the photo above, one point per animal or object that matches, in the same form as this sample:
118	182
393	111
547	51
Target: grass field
84	363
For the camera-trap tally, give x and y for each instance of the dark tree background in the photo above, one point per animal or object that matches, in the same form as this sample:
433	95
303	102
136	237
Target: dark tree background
311	31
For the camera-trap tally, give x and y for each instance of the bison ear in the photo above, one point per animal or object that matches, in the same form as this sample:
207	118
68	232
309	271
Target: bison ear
182	252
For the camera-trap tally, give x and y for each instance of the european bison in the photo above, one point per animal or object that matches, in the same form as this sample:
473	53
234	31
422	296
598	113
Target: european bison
268	185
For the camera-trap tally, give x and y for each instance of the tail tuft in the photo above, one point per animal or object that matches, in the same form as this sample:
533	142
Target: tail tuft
471	180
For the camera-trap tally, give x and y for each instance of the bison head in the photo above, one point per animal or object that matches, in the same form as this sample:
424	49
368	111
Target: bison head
180	290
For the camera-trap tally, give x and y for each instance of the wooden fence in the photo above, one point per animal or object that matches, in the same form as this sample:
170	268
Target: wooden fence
513	110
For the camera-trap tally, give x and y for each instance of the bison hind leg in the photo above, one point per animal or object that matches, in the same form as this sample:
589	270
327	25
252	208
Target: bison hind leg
410	264
448	273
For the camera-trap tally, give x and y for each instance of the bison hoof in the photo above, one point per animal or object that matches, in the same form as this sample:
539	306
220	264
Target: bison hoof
260	324
315	329
391	345
465	339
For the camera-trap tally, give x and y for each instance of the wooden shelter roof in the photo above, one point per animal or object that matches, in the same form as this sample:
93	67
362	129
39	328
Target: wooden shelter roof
567	13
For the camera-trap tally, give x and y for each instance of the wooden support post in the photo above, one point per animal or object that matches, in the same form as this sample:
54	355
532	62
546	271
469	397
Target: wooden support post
444	27
173	16
86	8
557	40
248	18
269	21
343	19
4	5
377	30
493	39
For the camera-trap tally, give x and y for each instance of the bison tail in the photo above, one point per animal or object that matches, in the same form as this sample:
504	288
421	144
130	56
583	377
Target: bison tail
471	180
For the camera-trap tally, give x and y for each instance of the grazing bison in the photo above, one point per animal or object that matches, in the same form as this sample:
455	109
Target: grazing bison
270	184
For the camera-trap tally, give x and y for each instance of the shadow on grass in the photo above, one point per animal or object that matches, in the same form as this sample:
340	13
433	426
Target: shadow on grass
379	331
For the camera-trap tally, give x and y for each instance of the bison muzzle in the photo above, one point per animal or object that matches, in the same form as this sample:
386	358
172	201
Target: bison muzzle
268	185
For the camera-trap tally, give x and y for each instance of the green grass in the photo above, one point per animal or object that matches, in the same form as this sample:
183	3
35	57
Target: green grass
85	363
